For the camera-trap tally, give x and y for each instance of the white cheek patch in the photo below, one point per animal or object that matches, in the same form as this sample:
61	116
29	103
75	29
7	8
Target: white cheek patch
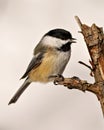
53	42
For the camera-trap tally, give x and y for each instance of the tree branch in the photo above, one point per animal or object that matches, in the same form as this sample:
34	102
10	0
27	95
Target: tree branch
94	38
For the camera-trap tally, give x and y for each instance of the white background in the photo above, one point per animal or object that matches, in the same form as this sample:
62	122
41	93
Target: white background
45	106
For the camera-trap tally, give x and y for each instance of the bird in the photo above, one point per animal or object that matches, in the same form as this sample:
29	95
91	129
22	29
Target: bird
50	58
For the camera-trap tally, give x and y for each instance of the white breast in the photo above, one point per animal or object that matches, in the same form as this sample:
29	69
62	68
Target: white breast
61	61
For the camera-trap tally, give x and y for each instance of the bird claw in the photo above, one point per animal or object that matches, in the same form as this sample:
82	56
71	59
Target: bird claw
58	78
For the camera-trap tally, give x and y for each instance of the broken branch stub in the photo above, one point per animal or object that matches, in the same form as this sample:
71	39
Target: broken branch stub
94	38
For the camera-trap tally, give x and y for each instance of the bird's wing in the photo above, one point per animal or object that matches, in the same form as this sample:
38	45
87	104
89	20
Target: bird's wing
35	62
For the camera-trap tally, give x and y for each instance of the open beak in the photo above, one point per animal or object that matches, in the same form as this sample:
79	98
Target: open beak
73	40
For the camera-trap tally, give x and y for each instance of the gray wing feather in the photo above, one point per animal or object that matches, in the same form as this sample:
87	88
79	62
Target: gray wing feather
35	62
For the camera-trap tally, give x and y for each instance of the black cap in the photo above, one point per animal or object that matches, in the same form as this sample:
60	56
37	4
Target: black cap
59	33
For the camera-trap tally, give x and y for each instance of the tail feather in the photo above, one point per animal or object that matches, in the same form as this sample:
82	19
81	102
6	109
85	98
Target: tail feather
19	92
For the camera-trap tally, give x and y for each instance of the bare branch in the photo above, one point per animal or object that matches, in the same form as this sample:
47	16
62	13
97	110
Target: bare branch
83	85
94	38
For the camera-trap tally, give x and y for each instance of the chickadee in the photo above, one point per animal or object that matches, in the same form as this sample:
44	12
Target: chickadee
50	58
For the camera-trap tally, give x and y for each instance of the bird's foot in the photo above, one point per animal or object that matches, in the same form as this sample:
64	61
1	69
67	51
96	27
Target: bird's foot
58	78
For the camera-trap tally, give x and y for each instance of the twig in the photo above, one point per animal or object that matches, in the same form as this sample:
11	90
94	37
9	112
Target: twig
85	65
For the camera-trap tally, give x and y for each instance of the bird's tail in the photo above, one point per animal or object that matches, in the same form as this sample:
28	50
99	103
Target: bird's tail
19	92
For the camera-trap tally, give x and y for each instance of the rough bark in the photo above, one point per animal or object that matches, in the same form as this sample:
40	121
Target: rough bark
94	39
